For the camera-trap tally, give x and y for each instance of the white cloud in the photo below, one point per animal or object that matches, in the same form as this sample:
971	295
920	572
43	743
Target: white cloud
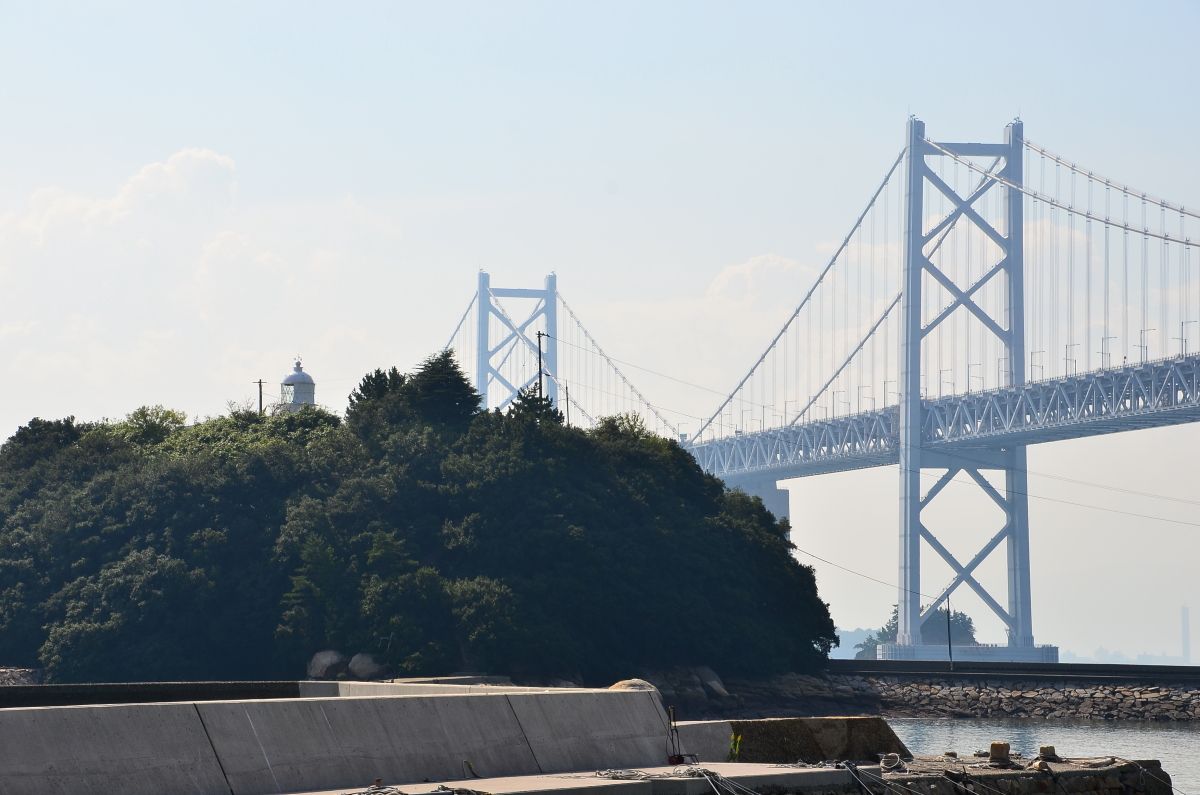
189	185
765	277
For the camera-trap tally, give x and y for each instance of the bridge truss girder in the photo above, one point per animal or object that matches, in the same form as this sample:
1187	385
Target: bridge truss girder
1152	394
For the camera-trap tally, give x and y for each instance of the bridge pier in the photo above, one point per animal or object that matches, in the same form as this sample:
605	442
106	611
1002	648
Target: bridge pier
766	489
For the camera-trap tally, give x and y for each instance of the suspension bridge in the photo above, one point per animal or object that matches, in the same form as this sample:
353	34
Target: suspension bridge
988	296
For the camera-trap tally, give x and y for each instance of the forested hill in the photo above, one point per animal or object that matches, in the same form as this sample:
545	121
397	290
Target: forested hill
419	528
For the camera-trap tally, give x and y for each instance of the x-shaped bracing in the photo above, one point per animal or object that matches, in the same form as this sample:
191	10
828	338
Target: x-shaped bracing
966	574
963	208
516	336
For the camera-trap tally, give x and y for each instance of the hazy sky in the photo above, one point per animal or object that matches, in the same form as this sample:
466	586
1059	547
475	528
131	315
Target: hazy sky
191	195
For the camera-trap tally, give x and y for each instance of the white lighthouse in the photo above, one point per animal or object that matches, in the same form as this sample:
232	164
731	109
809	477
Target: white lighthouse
298	389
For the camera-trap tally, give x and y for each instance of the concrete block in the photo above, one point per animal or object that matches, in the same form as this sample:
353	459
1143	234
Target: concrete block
590	730
132	749
707	739
586	784
855	738
786	740
330	689
305	744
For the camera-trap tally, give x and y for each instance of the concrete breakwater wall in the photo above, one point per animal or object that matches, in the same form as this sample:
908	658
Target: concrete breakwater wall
343	734
300	744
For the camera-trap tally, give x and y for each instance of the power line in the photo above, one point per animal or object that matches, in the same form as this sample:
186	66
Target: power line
1093	484
1061	501
588	336
860	574
619	395
588	350
1106	487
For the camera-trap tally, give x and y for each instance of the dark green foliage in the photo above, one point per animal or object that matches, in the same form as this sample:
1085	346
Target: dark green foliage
433	534
933	632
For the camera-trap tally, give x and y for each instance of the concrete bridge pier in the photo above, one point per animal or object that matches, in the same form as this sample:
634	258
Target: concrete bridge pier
767	489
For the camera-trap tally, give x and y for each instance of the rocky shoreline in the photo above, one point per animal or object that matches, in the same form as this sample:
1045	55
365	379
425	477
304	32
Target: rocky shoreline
20	676
700	693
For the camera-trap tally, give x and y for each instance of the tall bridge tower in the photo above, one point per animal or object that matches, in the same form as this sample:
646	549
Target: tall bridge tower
500	336
511	339
1008	326
988	297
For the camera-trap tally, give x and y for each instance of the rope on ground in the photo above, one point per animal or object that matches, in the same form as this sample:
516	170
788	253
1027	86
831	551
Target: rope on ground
625	774
888	786
965	778
861	784
720	784
378	788
442	789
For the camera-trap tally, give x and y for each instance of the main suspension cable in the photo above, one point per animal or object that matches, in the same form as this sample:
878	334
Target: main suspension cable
807	296
1053	202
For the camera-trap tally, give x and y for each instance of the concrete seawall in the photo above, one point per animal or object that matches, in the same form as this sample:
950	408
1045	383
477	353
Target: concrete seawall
477	738
353	733
273	746
775	740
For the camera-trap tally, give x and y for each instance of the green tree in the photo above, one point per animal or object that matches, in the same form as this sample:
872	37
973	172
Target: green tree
441	394
375	385
423	529
528	406
150	425
933	632
123	622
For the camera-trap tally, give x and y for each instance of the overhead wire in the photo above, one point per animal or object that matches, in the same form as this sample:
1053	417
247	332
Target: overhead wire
612	365
856	573
1062	501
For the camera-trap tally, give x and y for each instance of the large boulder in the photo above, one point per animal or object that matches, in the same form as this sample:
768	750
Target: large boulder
20	676
327	664
365	666
632	684
712	684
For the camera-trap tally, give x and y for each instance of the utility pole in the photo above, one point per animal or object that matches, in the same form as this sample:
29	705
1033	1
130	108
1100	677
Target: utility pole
949	640
541	391
567	406
260	395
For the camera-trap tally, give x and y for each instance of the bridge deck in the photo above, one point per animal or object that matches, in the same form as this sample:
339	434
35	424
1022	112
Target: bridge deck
1146	395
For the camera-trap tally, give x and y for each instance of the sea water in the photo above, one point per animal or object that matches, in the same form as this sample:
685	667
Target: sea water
1176	745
